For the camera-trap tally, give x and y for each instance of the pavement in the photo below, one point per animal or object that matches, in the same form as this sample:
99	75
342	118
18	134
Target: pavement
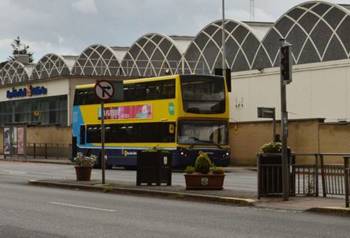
38	159
334	206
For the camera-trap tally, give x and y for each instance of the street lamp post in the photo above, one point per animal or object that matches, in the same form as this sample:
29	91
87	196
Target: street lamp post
223	40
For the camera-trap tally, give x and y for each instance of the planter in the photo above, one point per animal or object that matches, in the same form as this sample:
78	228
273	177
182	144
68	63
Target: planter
204	181
83	173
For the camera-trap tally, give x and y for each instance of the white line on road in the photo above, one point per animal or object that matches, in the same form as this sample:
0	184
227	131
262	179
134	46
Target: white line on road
13	172
79	206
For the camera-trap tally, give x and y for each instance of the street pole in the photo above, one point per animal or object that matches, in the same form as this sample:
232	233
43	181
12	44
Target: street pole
285	79
274	127
223	40
103	164
284	121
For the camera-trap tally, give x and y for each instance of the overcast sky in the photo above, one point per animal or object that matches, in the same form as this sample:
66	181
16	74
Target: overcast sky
69	26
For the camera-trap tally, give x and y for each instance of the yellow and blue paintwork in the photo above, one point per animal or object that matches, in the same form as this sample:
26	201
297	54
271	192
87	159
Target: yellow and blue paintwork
164	110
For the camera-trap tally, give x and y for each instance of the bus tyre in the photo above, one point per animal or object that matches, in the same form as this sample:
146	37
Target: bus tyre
97	164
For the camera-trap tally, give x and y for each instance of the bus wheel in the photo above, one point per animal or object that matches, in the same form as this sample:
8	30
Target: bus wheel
97	164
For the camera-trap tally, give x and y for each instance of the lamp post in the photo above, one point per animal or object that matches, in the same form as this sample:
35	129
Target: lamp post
223	40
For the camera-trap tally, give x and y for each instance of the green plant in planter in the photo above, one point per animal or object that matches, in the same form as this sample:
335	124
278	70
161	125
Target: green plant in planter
272	147
189	170
203	163
217	170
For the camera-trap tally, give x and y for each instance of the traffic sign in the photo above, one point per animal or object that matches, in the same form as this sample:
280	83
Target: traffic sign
266	112
104	90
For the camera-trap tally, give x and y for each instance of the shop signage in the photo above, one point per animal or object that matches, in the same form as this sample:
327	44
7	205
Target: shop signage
26	92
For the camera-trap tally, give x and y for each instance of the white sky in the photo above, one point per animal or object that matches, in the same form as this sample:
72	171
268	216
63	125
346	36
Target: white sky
68	26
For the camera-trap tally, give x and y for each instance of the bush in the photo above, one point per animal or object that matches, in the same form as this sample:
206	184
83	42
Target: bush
217	170
272	147
203	163
189	170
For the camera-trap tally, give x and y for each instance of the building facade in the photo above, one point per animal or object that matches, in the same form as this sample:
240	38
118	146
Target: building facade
42	93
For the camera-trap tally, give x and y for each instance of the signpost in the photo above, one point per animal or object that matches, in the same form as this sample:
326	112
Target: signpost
286	78
104	90
269	112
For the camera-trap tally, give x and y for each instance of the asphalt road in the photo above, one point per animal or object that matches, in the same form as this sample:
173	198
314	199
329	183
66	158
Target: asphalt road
29	211
239	179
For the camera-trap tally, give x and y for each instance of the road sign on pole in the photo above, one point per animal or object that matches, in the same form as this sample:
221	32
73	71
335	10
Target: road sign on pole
104	90
269	112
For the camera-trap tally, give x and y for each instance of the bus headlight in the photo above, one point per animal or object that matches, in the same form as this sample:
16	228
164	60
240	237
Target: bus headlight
226	154
183	153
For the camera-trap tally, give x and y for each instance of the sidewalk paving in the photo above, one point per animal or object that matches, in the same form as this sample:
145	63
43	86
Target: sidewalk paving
333	206
41	159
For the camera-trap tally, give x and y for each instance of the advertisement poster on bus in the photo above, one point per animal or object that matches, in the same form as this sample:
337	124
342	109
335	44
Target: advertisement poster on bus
20	140
128	112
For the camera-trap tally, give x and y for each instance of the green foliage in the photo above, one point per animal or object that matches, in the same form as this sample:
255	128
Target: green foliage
84	161
217	170
203	163
189	170
272	147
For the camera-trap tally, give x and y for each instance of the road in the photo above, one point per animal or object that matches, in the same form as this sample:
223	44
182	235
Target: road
239	179
28	211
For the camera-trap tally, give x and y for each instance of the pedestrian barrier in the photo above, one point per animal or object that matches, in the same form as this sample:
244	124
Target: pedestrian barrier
334	176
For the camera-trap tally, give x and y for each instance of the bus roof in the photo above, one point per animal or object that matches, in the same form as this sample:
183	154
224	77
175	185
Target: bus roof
129	81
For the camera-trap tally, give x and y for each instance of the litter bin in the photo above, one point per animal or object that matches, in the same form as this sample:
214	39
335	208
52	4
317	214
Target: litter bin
153	167
270	174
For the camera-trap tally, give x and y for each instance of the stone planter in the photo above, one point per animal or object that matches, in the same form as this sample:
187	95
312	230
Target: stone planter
83	173
204	181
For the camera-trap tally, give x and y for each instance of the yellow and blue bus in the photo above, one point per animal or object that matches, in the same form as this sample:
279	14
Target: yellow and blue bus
183	114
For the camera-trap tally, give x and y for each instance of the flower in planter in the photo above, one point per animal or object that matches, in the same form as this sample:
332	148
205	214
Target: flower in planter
84	161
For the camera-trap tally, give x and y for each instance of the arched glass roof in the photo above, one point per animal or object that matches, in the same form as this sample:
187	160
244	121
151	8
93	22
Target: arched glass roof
318	31
15	72
97	60
51	66
204	53
152	55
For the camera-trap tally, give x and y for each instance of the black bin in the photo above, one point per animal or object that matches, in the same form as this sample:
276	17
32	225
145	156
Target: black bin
153	167
270	181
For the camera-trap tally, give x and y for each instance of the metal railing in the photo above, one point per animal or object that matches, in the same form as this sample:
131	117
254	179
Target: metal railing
334	177
48	150
347	180
306	176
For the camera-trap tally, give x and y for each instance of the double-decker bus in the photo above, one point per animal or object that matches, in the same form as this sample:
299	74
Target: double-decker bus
183	114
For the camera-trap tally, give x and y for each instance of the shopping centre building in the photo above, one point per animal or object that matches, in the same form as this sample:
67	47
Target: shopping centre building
41	94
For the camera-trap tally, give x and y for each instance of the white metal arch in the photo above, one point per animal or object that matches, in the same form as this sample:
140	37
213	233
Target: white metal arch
50	66
241	47
146	46
14	72
97	60
311	8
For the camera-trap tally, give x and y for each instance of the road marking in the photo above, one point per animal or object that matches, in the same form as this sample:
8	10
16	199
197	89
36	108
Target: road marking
13	172
80	206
